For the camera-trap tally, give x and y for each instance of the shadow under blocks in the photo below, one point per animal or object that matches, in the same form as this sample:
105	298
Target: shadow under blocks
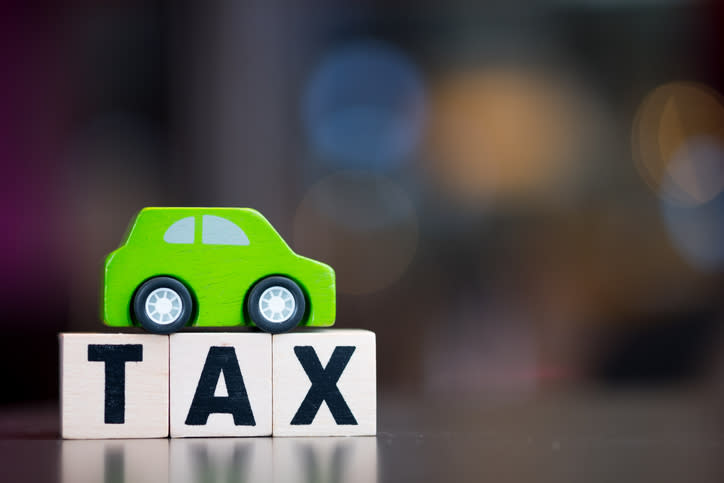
316	382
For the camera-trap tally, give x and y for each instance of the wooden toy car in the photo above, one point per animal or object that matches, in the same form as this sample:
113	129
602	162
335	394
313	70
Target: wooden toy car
213	267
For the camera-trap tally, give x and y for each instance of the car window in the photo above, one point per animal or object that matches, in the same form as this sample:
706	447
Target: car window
220	231
180	232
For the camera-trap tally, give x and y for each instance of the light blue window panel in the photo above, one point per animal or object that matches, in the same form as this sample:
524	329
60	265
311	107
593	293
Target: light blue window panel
180	232
220	231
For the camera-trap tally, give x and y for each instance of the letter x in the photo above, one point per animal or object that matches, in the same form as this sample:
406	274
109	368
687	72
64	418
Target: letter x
324	385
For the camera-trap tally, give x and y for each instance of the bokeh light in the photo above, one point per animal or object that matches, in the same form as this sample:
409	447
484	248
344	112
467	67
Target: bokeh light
678	138
466	170
362	224
364	107
504	132
697	231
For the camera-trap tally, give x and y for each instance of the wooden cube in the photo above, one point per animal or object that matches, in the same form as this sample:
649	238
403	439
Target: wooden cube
325	459
221	384
137	461
221	460
325	383
114	385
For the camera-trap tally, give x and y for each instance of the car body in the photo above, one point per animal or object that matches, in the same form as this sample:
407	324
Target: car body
219	254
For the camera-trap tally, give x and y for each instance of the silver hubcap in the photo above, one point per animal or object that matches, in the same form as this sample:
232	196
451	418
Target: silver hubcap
277	304
163	306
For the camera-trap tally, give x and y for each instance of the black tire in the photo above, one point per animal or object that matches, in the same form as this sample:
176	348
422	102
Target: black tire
263	321
143	293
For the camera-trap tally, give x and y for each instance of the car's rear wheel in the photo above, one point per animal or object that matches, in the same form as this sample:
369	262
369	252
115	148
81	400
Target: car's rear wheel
276	304
162	305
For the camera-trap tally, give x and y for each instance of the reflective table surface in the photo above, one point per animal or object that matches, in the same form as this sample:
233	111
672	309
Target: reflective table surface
654	436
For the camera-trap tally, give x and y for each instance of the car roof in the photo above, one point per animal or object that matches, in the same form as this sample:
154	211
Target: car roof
155	220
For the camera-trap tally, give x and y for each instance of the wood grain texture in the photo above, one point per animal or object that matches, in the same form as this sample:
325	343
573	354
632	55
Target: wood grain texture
218	275
325	383
114	398
236	403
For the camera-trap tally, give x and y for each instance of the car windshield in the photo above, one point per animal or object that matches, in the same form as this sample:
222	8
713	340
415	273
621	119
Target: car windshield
220	231
215	231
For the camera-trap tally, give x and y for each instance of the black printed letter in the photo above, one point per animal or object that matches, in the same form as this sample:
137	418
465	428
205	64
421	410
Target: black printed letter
115	357
218	360
324	385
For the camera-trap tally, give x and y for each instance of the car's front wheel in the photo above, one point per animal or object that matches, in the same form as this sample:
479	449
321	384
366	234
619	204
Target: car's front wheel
162	305
276	304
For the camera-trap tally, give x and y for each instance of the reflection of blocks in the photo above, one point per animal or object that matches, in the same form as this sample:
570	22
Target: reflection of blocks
139	461
114	385
221	460
325	459
325	383
221	384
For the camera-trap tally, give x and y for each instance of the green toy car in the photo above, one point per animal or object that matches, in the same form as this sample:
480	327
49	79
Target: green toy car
213	267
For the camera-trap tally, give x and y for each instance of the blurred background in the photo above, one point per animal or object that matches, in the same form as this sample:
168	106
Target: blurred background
519	198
